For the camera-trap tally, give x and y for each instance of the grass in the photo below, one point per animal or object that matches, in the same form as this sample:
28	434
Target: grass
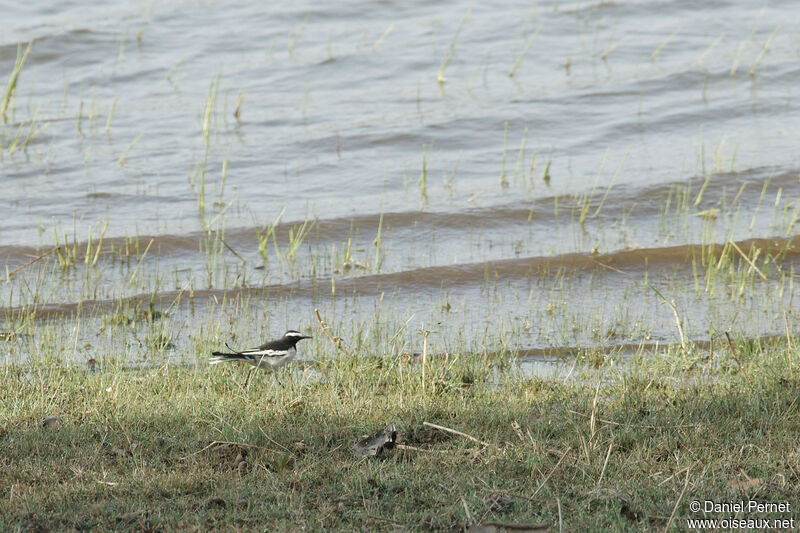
189	448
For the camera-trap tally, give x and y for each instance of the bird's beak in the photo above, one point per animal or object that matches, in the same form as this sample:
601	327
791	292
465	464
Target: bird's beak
305	336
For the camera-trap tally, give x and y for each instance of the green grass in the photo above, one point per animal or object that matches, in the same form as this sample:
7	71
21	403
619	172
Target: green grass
615	451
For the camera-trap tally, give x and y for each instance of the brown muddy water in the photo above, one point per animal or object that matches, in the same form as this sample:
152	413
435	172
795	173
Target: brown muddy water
521	177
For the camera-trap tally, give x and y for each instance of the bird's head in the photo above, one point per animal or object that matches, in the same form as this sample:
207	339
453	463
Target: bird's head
295	336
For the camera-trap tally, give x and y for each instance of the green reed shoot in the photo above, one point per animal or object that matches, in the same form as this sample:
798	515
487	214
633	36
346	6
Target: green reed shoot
213	249
546	173
63	258
139	263
793	219
34	132
585	200
764	50
699	61
521	157
503	180
110	115
613	47
347	259
703	187
201	196
208	110
238	108
383	37
657	53
296	239
451	50
100	242
450	184
518	62
378	241
11	88
15	140
760	200
123	158
79	119
610	186
736	59
88	253
208	115
294	35
422	183
267	233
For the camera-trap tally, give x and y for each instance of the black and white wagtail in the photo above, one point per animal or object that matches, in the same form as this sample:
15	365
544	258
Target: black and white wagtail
273	354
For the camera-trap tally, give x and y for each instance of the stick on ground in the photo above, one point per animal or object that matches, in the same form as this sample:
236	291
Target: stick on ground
456	432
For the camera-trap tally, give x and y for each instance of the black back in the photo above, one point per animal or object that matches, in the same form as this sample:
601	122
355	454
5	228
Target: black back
284	343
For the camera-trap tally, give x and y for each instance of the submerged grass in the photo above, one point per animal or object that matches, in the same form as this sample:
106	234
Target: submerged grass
181	448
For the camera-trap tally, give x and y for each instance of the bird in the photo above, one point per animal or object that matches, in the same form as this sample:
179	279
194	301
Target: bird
268	356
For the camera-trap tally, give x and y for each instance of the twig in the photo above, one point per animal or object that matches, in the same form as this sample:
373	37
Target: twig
788	336
29	263
459	433
141	258
609	267
390	520
424	356
605	463
750	261
733	350
415	449
234	252
504	526
550	474
675	509
560	523
335	340
218	442
677	317
735	355
643	426
678	473
383	37
711	350
466	510
249	373
278	444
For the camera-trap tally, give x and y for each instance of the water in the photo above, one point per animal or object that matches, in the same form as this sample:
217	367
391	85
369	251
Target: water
524	211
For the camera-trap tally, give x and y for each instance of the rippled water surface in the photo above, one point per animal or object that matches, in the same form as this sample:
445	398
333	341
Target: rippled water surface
522	176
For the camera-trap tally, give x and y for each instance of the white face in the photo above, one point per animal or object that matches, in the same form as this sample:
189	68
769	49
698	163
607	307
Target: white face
292	333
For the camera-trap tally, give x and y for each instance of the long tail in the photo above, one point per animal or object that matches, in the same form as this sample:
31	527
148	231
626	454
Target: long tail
221	357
